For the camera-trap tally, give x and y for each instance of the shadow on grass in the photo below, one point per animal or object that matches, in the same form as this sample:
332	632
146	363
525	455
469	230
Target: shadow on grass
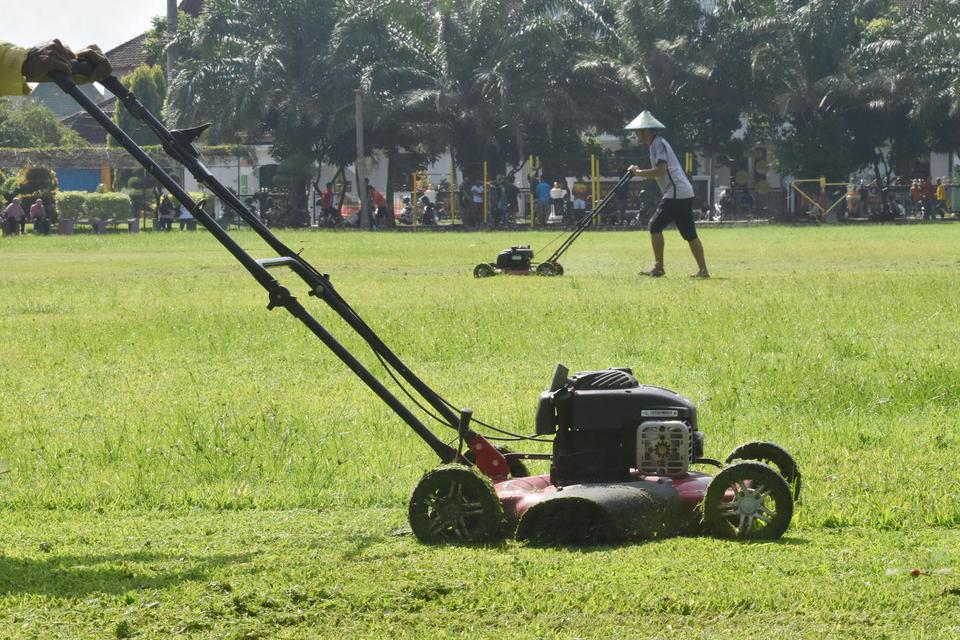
74	576
587	546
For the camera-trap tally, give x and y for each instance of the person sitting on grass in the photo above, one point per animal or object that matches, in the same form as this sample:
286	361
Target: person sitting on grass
677	203
18	66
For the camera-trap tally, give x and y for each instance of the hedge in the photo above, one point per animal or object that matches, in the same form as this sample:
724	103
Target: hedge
71	204
108	205
82	204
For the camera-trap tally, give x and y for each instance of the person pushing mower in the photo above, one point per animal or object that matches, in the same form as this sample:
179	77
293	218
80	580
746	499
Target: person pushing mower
676	206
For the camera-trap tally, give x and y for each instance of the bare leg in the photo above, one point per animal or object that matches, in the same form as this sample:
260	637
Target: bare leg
696	248
656	239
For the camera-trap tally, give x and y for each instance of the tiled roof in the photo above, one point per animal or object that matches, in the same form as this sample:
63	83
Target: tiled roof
128	56
124	58
88	128
49	95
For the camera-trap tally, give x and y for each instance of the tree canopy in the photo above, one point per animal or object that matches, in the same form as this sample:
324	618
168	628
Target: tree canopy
829	82
25	124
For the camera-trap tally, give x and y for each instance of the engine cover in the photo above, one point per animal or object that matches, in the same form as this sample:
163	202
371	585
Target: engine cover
516	258
598	420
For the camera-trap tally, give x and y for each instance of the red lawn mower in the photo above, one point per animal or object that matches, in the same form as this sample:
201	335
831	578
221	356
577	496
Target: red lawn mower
518	259
622	451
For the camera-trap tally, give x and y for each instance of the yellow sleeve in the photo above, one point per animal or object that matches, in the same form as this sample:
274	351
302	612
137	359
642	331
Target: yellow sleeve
11	70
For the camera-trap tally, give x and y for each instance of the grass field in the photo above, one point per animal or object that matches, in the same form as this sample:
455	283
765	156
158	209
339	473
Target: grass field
184	462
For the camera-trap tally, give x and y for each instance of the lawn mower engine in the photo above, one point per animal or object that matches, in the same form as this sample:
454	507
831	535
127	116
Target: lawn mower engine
516	258
605	425
620	469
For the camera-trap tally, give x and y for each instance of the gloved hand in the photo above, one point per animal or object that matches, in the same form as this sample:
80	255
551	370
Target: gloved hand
54	56
101	66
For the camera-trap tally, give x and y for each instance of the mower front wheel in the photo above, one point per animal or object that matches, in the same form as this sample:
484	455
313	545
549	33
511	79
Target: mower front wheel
484	270
453	503
773	455
549	269
748	501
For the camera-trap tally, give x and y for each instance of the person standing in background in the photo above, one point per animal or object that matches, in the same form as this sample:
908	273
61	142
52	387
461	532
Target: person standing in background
941	198
543	201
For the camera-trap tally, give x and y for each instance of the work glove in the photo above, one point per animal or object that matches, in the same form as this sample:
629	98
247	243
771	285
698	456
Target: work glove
54	56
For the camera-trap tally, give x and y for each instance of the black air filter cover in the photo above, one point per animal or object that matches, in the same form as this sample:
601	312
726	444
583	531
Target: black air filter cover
618	378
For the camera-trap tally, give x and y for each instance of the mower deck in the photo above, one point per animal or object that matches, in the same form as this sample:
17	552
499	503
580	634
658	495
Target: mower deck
642	508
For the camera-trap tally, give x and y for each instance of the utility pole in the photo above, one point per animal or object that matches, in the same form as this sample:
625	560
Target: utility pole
358	167
171	33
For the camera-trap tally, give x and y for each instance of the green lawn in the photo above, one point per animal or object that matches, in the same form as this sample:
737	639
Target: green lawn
184	462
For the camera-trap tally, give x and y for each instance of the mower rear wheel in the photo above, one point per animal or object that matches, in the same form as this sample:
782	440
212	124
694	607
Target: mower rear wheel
483	270
453	503
748	501
548	269
773	455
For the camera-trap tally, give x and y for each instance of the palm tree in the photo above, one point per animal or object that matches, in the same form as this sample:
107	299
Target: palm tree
805	82
252	67
479	76
910	67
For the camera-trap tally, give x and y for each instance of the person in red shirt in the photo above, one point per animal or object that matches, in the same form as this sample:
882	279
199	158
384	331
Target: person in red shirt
326	206
915	196
378	204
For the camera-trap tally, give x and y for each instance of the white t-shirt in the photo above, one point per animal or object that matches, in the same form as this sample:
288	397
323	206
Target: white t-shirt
556	193
674	185
477	193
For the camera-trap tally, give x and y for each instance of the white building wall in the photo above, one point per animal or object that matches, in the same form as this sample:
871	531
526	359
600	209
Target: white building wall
942	165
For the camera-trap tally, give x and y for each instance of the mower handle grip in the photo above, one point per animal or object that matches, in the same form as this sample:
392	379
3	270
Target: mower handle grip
81	67
86	68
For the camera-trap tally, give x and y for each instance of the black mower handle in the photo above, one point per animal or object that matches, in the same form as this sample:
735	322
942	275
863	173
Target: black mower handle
178	145
81	67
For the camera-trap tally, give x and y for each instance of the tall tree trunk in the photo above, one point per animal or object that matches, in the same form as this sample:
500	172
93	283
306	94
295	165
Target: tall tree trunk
297	214
341	173
518	141
389	220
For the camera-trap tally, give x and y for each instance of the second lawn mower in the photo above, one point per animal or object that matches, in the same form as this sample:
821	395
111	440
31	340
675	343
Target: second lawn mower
518	259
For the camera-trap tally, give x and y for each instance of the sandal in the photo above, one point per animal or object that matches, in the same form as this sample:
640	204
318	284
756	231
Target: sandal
703	275
655	272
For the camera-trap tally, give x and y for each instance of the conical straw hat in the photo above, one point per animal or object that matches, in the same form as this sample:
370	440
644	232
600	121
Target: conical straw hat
645	121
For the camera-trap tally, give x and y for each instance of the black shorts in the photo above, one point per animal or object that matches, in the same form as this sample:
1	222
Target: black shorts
679	212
